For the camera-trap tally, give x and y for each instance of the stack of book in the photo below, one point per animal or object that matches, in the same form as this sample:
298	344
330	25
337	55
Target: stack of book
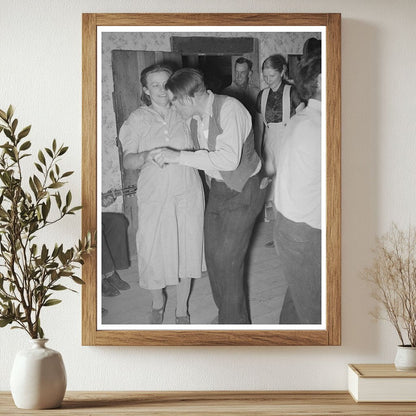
381	383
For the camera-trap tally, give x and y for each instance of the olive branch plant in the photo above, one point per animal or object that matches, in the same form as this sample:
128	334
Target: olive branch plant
393	278
31	273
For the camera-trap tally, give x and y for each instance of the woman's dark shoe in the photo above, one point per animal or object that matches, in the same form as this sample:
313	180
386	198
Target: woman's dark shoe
107	289
116	281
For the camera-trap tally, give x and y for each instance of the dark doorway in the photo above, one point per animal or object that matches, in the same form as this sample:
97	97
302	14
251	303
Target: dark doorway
217	69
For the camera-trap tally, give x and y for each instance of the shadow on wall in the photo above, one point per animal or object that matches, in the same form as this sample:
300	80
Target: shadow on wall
361	84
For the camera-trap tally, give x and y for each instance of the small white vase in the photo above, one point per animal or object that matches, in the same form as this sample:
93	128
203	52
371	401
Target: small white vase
38	377
405	358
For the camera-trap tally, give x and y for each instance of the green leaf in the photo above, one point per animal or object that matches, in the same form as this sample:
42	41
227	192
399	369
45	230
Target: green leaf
63	150
3	115
14	125
40	331
76	279
5	321
55	251
60	249
10	112
59	287
68	199
24	132
77	208
62	257
44	253
33	187
58	199
45	211
4	298
49	152
51	302
37	182
39	167
41	157
34	249
56	185
54	145
25	145
67	174
8	133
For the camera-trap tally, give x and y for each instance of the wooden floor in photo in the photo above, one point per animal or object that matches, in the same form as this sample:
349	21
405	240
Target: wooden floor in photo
266	287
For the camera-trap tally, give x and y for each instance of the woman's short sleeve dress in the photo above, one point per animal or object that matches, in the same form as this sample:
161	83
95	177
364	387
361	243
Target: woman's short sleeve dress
170	202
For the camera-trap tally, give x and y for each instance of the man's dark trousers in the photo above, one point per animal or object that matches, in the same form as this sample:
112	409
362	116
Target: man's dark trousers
229	220
115	249
298	248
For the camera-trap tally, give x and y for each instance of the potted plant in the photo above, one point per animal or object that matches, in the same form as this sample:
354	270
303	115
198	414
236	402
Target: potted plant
31	273
393	277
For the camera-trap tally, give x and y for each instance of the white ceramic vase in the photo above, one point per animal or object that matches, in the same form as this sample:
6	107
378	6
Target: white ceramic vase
405	358
38	377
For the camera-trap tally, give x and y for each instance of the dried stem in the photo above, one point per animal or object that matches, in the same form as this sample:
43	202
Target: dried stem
393	277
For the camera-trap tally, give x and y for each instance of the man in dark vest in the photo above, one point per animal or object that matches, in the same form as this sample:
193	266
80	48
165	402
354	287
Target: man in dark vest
222	133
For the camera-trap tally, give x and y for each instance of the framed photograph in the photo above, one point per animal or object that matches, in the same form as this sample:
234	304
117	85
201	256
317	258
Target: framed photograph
189	124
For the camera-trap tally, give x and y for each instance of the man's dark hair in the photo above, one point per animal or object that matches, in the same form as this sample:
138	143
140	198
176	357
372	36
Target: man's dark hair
311	47
185	82
242	60
307	77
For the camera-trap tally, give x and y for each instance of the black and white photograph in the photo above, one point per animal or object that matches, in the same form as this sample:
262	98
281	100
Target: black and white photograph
211	178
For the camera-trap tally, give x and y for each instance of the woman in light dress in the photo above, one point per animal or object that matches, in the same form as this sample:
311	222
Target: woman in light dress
170	198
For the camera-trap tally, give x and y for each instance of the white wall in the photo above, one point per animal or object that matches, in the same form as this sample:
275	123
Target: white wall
40	73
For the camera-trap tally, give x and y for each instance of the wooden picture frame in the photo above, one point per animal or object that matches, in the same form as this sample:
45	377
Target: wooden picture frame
331	333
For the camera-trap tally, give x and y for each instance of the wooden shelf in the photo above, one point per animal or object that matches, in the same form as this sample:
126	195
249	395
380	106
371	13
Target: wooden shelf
221	403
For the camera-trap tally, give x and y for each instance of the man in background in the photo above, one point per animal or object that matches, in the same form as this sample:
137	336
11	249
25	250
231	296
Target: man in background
241	88
115	250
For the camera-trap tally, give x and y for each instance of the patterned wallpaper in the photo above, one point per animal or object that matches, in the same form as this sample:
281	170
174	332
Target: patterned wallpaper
269	43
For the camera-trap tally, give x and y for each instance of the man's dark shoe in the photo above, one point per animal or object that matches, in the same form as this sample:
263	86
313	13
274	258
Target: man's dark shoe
107	289
116	281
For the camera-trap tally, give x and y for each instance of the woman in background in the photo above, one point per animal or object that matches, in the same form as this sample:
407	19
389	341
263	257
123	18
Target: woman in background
276	104
170	199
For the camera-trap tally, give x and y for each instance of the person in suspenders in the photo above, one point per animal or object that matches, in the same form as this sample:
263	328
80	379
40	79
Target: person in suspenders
276	104
221	128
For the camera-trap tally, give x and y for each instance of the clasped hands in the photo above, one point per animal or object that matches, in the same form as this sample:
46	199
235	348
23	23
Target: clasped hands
163	156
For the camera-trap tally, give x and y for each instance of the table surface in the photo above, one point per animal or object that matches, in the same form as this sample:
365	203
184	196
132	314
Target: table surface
179	403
